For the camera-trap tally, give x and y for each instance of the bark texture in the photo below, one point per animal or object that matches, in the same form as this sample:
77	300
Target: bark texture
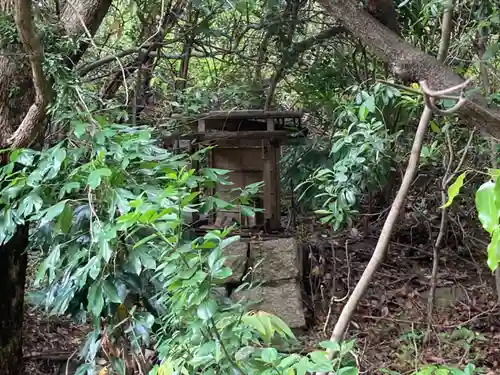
13	262
409	63
24	95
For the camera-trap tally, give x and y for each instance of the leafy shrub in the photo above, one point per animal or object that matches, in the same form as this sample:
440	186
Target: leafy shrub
107	209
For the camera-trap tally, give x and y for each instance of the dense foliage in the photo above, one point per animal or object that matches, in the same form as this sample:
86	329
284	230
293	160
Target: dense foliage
108	206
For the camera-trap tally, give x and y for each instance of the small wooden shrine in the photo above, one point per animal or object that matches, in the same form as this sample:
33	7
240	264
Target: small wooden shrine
249	144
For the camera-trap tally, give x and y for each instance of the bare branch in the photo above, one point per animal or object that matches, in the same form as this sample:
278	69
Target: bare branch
108	59
431	96
25	133
440	93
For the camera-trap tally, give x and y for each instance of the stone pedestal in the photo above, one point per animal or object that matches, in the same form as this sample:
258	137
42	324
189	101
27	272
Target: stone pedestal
276	264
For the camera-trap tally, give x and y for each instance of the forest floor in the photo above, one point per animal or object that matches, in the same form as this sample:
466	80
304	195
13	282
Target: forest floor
390	322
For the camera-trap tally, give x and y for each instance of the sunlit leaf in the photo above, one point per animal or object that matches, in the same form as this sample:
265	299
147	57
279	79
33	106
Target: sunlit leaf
435	128
332	345
454	189
486	206
166	368
494	250
206	309
269	355
94	179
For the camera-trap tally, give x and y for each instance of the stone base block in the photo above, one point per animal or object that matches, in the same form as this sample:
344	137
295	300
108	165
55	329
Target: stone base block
283	300
236	254
275	259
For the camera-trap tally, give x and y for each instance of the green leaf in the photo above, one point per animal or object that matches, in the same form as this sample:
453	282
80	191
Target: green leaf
370	104
454	189
281	326
24	157
80	128
31	203
50	213
106	251
303	366
166	368
189	198
121	203
347	371
322	212
83	369
135	263
147	260
247	211
255	323
68	187
58	158
95	299
119	365
269	355
332	345
486	206
494	250
50	262
64	220
289	361
318	357
206	310
435	128
346	347
111	291
491	51
228	241
94	179
244	353
362	112
223	273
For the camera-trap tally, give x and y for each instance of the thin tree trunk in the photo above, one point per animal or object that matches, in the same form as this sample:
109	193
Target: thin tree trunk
446	29
13	263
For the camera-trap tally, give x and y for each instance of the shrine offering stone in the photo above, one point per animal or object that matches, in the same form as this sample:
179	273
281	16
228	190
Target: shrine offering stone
283	300
275	259
236	254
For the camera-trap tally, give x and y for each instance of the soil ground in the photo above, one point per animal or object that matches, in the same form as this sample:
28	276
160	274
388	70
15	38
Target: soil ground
391	320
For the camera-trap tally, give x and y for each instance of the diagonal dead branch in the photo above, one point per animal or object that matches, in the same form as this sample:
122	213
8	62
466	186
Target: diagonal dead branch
25	133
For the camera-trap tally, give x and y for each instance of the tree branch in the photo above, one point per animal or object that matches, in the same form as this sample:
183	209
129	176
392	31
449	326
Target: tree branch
25	133
430	98
305	44
108	59
410	63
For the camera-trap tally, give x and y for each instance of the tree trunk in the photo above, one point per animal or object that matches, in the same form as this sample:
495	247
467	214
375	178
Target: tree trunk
13	263
19	74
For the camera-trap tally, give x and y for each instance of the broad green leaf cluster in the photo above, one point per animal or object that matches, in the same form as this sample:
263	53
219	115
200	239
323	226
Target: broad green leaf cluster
107	209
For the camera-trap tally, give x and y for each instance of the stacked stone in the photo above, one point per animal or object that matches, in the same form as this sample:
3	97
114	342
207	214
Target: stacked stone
275	265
